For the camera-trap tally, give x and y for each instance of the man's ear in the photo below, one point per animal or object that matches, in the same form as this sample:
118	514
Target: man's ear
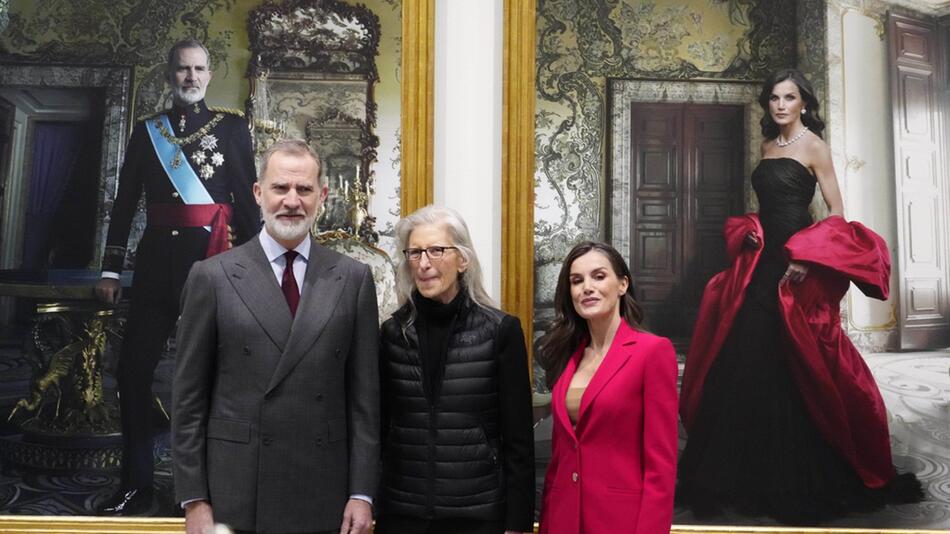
257	192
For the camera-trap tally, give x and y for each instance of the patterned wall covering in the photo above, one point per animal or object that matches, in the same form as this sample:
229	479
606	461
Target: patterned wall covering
582	43
139	32
812	22
4	14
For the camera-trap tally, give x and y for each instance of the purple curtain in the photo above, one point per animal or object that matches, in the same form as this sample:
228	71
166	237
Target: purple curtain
55	147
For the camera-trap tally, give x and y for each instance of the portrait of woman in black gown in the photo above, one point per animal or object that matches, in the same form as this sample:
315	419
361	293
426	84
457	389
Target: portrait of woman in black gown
757	441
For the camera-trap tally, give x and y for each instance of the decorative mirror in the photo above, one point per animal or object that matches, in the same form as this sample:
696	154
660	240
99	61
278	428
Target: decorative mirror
312	72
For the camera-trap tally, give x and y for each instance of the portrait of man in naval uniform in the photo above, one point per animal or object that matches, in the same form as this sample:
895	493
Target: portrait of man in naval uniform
195	165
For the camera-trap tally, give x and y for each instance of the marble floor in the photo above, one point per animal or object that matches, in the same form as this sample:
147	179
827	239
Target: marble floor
915	386
916	390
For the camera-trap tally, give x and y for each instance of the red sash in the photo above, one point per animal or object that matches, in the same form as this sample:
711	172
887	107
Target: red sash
217	216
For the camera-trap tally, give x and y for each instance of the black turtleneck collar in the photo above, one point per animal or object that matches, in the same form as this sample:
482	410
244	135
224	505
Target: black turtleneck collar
196	115
434	324
435	311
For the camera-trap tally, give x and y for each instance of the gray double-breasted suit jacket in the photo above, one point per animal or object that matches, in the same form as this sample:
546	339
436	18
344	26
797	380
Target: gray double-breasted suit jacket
276	419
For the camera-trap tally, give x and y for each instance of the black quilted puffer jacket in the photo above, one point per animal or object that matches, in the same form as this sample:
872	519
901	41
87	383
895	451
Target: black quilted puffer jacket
466	449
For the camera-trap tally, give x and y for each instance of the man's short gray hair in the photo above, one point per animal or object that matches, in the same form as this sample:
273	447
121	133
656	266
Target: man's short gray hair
180	45
294	147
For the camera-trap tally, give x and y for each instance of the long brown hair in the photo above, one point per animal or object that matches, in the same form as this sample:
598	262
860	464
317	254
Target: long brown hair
569	328
810	118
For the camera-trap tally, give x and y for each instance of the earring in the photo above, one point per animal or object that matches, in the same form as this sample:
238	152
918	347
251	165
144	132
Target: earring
803	111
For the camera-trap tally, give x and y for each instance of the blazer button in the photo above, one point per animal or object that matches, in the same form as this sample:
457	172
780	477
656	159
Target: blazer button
319	441
174	232
319	396
574	477
247	350
268	441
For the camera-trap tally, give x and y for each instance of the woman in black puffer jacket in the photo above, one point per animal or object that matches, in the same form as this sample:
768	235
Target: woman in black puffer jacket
458	447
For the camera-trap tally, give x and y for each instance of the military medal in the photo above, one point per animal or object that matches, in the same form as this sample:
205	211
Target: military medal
207	171
181	124
208	143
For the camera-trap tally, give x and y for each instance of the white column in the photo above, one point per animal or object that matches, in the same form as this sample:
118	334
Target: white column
468	106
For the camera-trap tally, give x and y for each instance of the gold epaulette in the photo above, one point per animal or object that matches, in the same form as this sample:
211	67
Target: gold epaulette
152	115
232	111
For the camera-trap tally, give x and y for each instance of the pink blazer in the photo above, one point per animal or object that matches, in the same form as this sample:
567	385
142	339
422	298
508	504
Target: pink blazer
617	470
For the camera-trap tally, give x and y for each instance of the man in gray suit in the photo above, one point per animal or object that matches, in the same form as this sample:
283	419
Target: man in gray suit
275	425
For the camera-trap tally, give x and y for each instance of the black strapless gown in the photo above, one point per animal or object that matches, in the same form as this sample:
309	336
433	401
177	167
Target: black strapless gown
754	447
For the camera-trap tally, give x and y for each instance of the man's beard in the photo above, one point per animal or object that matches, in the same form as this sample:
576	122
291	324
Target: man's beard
182	96
287	231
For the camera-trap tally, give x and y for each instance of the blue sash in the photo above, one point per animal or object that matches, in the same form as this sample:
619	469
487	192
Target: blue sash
184	179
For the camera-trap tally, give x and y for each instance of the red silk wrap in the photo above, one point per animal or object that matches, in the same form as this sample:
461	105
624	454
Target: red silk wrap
836	385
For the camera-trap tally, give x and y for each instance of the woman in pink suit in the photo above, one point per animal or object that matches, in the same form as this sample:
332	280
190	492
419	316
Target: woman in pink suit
613	460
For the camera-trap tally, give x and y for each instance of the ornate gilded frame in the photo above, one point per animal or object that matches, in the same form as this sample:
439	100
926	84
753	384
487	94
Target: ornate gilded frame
517	197
517	179
418	23
416	191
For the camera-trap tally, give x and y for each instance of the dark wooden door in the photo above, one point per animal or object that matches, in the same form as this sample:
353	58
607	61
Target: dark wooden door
688	176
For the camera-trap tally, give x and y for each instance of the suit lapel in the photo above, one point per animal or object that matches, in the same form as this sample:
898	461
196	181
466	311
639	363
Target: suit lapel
617	355
322	286
253	279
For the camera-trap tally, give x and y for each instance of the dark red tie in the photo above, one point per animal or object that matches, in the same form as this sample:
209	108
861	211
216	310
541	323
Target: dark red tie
289	283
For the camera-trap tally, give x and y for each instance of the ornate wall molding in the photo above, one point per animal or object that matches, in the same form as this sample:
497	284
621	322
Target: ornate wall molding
517	181
418	103
116	82
327	36
625	92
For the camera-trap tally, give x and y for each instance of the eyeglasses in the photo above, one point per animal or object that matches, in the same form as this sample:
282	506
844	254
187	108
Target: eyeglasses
433	253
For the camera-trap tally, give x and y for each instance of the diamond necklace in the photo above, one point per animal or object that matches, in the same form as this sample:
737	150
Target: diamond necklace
779	142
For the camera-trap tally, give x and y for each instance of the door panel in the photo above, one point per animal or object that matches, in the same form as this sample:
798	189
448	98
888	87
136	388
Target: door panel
924	317
687	168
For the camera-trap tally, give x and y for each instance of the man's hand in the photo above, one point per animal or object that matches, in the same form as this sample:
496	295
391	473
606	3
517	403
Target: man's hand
109	291
198	518
357	517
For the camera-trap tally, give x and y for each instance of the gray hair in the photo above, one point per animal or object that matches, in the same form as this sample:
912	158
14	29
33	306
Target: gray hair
183	44
294	147
451	221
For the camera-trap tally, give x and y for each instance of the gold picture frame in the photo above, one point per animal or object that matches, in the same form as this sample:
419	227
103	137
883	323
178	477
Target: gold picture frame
416	191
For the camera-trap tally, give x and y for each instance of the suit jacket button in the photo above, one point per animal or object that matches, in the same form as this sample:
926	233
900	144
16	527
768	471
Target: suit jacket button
319	441
247	350
174	232
319	396
268	441
574	477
